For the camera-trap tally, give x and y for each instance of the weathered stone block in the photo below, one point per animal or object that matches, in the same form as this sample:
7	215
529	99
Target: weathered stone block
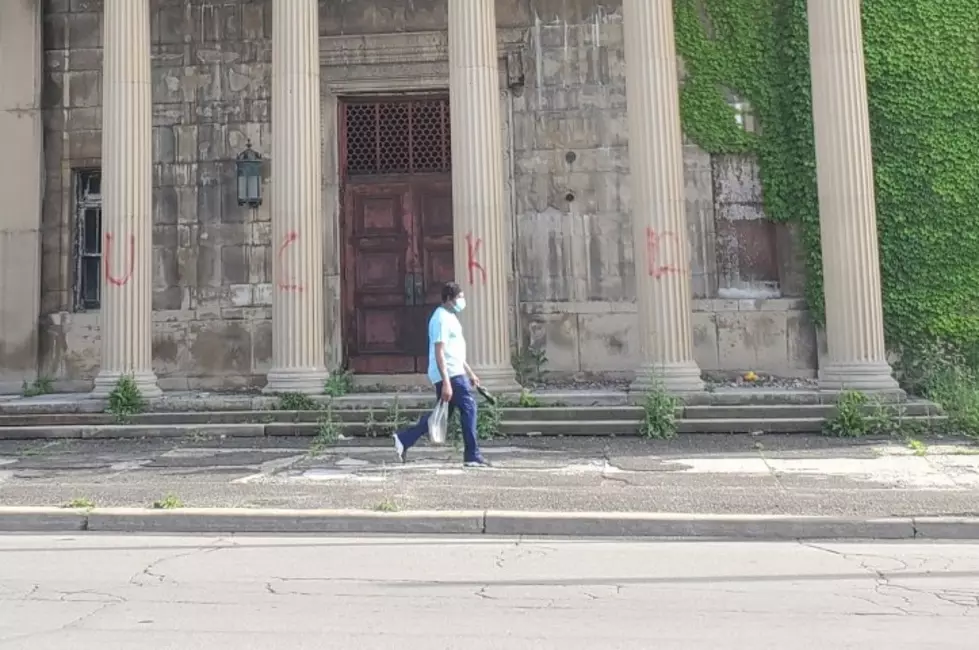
208	265
545	256
608	342
82	119
85	29
704	337
89	60
557	335
234	265
753	340
84	145
802	353
737	180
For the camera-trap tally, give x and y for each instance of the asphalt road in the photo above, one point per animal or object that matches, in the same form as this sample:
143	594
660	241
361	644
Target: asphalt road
86	592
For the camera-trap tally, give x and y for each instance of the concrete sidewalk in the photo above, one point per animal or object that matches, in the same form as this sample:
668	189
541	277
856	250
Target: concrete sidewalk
794	476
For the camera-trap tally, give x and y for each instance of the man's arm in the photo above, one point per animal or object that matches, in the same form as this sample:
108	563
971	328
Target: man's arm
440	361
472	376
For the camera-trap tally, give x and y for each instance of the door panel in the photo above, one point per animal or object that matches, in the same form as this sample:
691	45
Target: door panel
395	168
379	253
398	256
433	209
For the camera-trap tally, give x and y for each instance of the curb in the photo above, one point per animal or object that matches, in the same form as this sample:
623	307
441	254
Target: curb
477	522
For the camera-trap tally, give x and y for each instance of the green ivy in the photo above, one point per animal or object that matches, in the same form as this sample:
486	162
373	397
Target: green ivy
923	81
923	78
758	51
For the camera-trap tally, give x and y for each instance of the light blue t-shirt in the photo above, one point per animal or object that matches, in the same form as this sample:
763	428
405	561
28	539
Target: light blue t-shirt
444	327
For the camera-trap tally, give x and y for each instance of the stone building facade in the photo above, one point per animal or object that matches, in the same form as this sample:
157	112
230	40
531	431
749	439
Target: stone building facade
390	189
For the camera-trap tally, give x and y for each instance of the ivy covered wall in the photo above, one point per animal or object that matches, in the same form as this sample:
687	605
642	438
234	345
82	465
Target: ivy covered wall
923	78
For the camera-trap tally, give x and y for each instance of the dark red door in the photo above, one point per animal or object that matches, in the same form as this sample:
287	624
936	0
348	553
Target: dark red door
397	228
432	199
379	254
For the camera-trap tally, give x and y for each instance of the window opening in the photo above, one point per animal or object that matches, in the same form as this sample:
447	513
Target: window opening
88	239
402	136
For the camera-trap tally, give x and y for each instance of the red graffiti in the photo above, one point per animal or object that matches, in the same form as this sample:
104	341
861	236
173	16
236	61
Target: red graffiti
107	256
284	280
473	244
657	269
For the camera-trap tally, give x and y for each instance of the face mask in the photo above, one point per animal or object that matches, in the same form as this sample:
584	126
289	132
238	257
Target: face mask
459	305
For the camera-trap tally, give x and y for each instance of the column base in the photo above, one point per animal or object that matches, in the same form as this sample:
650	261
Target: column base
106	382
497	379
871	377
308	381
674	378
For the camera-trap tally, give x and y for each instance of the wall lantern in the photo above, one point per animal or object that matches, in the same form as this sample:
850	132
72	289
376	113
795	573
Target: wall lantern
248	166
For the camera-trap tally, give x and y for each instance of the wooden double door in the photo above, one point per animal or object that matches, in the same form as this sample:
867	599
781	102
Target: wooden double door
398	254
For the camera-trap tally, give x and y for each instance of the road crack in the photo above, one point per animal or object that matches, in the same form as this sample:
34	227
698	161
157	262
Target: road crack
150	571
885	586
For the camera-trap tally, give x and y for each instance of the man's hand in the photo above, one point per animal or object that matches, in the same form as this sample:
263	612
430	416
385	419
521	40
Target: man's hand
475	380
446	391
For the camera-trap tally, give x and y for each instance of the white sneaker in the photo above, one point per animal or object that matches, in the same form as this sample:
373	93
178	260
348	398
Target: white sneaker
399	448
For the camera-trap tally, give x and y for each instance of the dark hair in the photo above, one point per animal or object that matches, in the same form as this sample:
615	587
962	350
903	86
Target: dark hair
450	290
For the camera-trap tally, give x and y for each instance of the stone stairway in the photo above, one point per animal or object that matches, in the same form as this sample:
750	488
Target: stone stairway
377	415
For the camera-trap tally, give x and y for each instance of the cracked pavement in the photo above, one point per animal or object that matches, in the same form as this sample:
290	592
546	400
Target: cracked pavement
796	475
127	591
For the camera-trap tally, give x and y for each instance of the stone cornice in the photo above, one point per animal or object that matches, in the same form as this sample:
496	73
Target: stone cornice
404	47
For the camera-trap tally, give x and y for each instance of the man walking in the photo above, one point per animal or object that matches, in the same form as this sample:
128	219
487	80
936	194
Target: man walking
454	380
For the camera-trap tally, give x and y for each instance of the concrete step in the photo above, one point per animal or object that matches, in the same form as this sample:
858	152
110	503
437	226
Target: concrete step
342	415
795	411
108	431
508	427
776	425
570	428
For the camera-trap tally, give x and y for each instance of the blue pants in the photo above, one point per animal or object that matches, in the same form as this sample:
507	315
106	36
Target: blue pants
462	399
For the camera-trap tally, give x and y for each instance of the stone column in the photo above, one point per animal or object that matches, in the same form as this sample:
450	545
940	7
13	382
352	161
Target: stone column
297	217
658	203
478	211
848	221
127	186
21	186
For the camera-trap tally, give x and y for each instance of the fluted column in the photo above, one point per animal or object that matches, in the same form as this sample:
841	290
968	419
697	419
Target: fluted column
22	187
297	220
477	188
658	203
848	220
127	186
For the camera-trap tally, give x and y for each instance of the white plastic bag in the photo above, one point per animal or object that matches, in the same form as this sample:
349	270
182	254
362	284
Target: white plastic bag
438	424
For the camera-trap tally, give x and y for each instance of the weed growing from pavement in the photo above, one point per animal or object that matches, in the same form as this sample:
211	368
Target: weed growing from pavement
528	364
80	504
659	415
126	400
370	423
296	402
858	415
947	376
849	420
488	420
169	502
919	448
328	431
387	505
339	383
40	386
528	400
395	417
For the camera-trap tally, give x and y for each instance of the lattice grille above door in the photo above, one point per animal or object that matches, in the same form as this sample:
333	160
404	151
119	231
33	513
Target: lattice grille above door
402	136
